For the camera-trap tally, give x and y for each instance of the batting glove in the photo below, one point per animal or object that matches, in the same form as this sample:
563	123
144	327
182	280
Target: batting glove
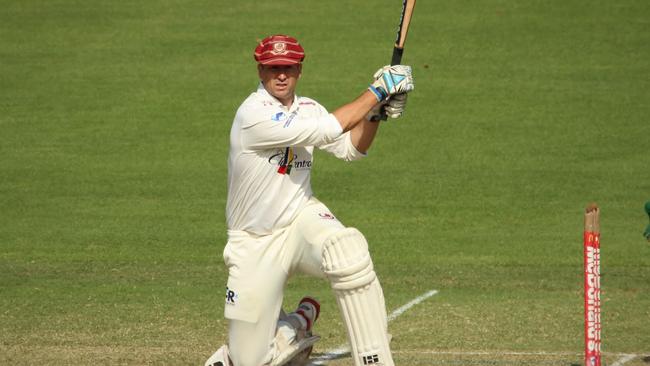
391	80
396	105
393	107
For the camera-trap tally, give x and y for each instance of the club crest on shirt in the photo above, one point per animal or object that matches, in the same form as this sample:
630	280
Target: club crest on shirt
280	116
283	117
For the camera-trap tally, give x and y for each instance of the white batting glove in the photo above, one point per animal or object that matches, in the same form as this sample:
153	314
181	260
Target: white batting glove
393	107
390	80
396	105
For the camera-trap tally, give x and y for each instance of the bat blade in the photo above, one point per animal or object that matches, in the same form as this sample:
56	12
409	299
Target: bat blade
402	31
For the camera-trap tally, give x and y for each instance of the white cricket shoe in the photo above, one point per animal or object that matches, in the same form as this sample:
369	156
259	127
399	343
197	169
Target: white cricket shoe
219	358
295	345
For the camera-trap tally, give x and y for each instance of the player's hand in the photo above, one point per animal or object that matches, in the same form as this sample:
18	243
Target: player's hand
396	105
393	107
391	80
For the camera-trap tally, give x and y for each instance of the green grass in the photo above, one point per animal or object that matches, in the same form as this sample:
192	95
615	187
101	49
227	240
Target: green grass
114	121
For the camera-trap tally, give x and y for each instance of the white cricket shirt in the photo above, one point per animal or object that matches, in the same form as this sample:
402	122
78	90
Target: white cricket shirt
270	159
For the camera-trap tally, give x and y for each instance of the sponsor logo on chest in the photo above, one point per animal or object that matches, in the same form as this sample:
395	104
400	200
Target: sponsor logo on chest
290	159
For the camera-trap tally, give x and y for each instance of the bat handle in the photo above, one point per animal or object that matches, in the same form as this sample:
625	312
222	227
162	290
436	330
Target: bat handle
397	56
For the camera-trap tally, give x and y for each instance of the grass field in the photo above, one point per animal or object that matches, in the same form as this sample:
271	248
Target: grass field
114	120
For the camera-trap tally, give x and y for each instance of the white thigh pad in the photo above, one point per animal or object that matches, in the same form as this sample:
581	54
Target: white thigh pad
347	264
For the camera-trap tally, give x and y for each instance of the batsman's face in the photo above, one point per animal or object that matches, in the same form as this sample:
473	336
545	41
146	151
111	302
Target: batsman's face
280	81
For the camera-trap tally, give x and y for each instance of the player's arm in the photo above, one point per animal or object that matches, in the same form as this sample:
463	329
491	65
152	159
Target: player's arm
354	144
351	114
363	134
266	129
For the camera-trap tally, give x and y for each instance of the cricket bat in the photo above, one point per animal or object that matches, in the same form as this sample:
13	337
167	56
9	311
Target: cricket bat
402	31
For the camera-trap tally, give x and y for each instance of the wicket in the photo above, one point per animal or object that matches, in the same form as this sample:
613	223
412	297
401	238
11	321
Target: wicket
592	286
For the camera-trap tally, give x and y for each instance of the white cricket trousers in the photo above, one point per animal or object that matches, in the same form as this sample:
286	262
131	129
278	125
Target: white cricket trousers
258	269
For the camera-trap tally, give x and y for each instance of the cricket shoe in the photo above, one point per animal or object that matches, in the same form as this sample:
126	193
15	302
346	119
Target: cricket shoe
219	358
295	344
307	313
297	353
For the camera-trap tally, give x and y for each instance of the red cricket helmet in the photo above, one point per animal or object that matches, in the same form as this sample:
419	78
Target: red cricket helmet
279	50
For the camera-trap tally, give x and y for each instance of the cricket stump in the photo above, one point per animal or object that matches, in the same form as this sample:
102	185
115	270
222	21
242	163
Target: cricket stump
592	286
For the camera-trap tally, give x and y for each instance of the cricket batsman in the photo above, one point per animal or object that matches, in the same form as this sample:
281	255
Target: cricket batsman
276	227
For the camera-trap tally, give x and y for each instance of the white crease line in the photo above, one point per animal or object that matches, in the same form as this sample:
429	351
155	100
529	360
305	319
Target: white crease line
487	353
625	357
623	360
401	310
344	348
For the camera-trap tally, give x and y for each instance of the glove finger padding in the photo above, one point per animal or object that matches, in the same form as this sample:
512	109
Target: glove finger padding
396	105
391	80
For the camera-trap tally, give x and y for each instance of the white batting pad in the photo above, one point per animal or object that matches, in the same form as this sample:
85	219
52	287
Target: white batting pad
347	264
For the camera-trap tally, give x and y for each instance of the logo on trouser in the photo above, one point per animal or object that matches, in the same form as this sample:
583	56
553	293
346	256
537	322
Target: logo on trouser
370	359
230	296
326	215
